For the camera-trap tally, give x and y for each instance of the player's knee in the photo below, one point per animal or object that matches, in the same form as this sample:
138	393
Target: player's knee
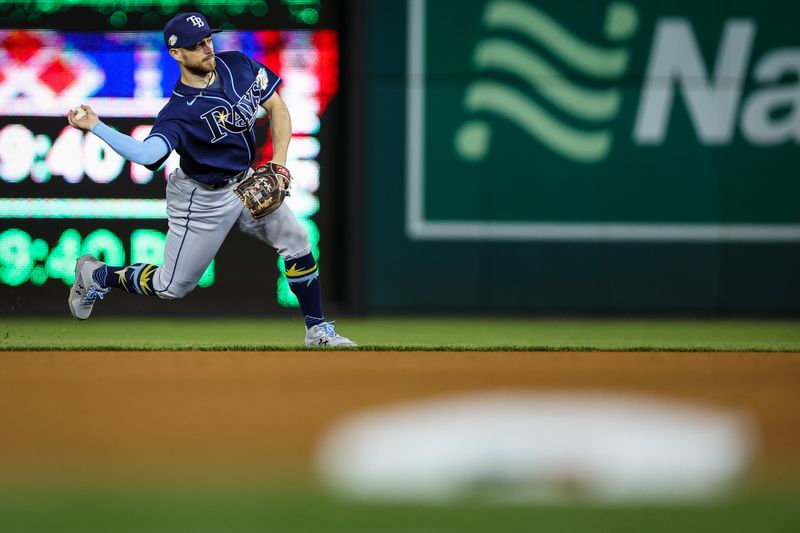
295	243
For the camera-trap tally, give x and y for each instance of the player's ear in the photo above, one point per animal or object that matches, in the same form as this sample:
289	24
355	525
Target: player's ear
175	54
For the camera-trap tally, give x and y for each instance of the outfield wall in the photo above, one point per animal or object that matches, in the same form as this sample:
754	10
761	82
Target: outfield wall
542	156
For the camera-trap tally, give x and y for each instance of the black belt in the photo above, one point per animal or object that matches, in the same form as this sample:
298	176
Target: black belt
225	183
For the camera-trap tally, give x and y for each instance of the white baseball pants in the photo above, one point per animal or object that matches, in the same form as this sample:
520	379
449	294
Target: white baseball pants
199	221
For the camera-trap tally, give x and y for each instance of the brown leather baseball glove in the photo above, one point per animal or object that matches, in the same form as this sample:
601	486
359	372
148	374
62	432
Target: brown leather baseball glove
264	190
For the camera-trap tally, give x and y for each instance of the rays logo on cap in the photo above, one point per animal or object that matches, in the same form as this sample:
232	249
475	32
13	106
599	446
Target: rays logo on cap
196	21
186	29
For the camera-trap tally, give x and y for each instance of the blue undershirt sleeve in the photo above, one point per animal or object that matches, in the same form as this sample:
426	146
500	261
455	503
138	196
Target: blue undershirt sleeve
144	152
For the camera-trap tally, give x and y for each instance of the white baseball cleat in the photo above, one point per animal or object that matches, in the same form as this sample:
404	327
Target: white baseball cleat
85	291
324	335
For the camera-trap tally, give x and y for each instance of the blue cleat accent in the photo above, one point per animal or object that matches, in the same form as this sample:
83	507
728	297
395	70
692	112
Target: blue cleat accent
85	291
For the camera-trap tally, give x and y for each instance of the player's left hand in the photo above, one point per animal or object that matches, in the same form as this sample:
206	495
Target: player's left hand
263	191
85	122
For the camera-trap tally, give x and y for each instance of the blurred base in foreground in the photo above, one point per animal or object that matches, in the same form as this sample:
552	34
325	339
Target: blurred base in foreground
539	448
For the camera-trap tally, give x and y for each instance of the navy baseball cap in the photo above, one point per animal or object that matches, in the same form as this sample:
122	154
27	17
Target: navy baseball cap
185	29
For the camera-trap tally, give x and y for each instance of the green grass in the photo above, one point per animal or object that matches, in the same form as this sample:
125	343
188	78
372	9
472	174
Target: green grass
247	511
101	333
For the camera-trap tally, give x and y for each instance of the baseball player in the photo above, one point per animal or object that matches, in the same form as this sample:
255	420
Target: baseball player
209	121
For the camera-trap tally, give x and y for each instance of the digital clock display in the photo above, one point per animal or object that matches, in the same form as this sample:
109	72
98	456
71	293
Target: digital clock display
64	192
28	259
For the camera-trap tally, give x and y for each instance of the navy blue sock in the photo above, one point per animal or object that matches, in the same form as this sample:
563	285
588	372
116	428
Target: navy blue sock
136	278
303	277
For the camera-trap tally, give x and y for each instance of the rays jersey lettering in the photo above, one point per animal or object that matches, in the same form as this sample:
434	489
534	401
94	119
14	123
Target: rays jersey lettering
241	116
212	129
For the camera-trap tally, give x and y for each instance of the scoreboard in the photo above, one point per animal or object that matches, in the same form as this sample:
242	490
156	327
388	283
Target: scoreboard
64	193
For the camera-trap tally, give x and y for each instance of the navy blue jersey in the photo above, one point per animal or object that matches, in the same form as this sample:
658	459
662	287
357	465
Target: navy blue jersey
212	128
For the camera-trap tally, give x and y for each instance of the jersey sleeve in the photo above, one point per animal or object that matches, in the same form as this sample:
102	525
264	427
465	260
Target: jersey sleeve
168	130
269	80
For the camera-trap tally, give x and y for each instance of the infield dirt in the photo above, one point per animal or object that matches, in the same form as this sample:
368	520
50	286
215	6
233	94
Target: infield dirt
257	410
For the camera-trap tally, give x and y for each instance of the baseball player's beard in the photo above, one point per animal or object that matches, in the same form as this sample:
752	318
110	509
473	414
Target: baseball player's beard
203	67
